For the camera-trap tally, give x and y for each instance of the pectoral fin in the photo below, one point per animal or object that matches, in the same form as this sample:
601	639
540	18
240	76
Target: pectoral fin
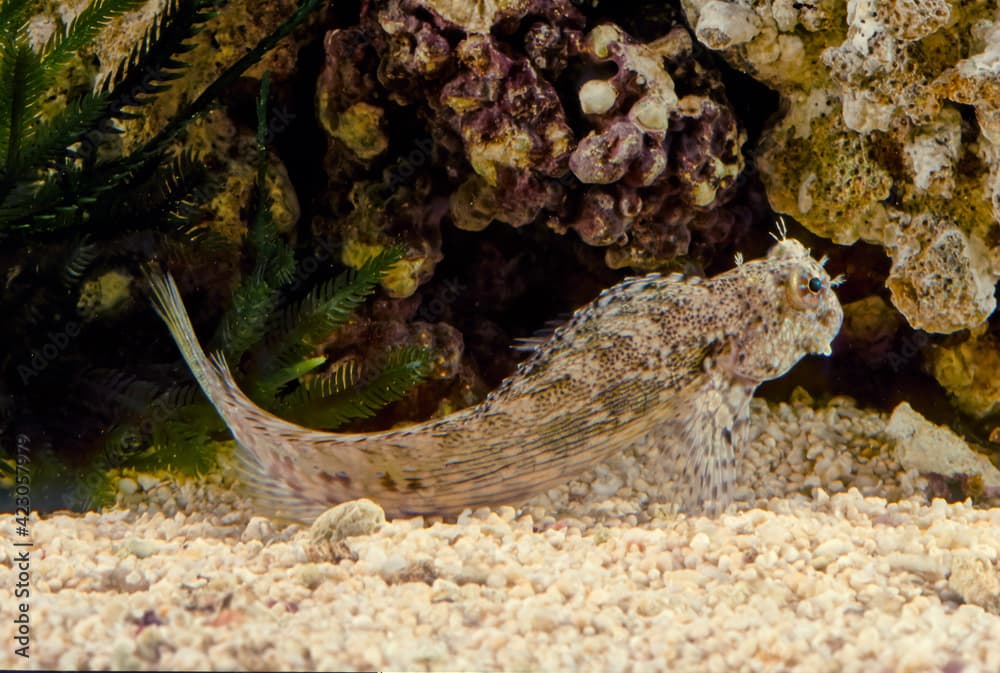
714	427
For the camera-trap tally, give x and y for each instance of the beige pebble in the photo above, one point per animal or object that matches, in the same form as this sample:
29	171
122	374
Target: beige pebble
147	482
348	519
976	580
127	486
141	548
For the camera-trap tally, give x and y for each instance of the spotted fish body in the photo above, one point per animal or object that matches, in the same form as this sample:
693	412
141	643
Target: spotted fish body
652	356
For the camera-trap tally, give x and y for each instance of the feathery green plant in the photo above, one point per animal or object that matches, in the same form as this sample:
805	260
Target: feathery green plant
67	206
50	175
178	428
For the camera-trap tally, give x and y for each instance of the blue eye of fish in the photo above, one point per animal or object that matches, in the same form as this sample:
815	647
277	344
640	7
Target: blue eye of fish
815	285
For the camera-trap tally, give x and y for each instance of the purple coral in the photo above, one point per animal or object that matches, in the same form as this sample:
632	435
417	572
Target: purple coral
529	127
665	159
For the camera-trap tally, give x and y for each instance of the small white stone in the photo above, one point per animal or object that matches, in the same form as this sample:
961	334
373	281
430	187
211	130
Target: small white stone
829	551
127	486
976	580
919	564
258	528
141	548
700	543
147	482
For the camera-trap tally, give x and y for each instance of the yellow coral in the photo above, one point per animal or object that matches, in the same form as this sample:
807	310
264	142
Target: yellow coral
359	127
401	280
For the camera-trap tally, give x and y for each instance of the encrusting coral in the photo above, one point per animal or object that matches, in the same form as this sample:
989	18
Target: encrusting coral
968	371
521	112
891	134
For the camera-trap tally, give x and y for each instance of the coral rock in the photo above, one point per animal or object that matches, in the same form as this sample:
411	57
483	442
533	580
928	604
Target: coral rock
940	278
934	449
874	143
976	81
687	149
532	119
722	24
370	228
605	157
870	325
968	371
477	17
359	127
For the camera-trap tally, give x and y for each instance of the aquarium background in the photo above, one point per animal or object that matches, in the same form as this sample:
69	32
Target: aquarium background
373	209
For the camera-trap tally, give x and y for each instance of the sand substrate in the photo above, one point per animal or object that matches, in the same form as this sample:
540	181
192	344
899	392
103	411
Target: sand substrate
835	560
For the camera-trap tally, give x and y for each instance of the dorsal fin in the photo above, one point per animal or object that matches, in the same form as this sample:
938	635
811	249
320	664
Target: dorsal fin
531	343
528	344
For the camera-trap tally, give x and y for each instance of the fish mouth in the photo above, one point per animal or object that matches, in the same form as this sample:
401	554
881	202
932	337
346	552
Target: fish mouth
831	321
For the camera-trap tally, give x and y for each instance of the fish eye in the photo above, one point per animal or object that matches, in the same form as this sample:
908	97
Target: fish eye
803	290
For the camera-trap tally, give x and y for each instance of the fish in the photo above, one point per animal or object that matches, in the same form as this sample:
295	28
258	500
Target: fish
665	356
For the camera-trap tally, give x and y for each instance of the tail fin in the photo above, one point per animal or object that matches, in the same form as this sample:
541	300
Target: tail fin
212	374
254	461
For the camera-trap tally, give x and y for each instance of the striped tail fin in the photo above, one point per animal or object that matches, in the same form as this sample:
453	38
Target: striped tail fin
211	373
259	434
